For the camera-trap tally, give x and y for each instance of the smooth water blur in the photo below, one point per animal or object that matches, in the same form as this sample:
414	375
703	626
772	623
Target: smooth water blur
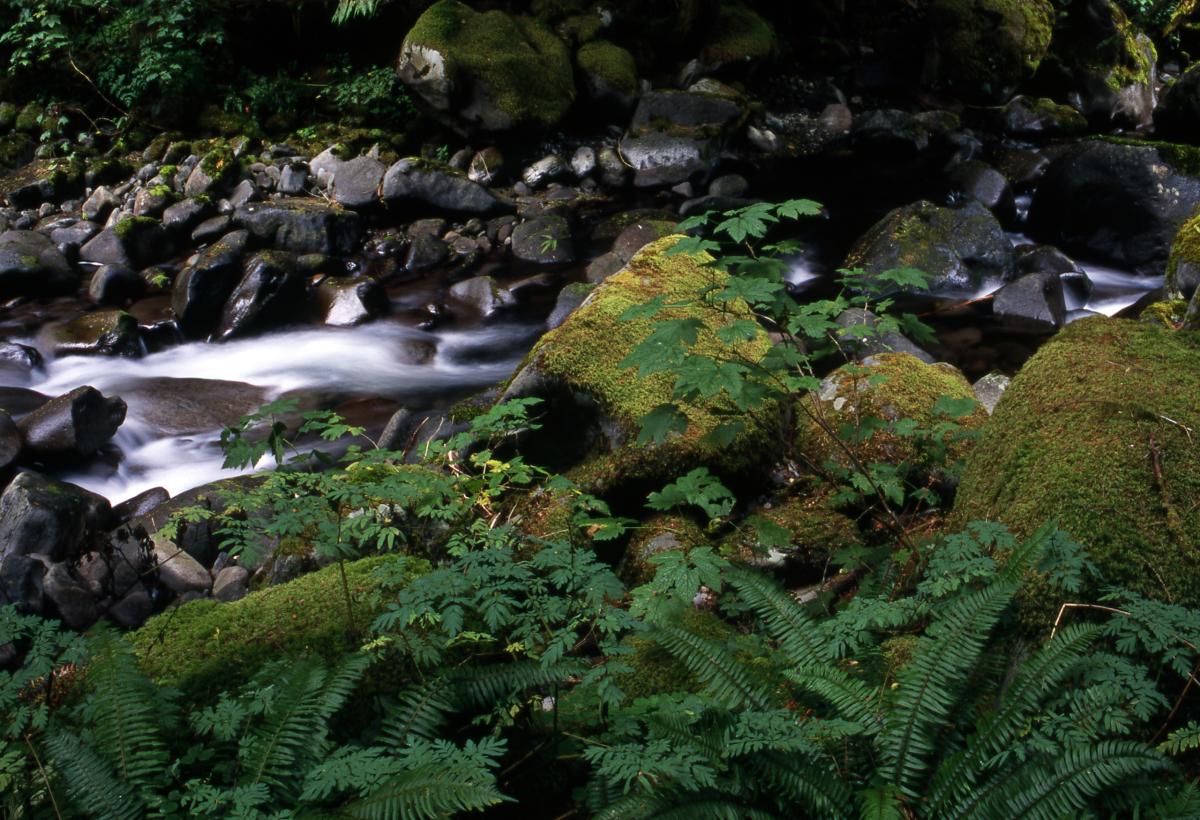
379	359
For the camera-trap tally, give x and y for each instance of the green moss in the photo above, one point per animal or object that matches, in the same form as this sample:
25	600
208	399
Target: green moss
130	224
611	64
662	533
524	67
739	35
988	46
656	671
29	261
569	355
1184	251
1097	431
1168	313
817	532
205	647
29	118
8	116
218	162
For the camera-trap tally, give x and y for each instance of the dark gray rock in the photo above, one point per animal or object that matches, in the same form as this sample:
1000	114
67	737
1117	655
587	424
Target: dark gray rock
72	237
293	179
1122	204
139	505
115	285
1028	117
418	183
270	293
178	571
231	584
961	249
31	265
135	241
344	302
211	229
545	240
662	159
487	166
11	442
69	597
356	183
569	300
205	283
302	226
185	215
730	185
979	181
107	332
71	426
21	582
424	253
133	610
685	110
243	194
152	201
482	295
187	406
546	169
583	161
40	514
19	402
1034	303
18	357
100	204
860	337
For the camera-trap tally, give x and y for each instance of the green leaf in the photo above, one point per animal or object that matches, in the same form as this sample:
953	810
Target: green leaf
660	423
699	487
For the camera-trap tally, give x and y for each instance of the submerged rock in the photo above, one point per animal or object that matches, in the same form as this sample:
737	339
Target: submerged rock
101	333
270	293
73	425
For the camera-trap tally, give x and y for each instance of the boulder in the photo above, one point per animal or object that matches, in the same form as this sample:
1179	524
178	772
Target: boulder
420	183
73	425
1094	433
1035	303
115	285
270	293
1041	117
963	250
609	74
69	597
42	515
482	295
570	298
594	406
356	182
31	265
1183	265
487	70
302	226
1116	202
205	283
544	241
178	571
231	584
69	238
140	504
134	241
986	48
858	336
344	302
185	215
11	442
133	610
107	332
21	582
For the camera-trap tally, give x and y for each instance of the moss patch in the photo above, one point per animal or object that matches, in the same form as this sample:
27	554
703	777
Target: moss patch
817	532
988	46
610	64
1185	251
1091	433
739	35
204	647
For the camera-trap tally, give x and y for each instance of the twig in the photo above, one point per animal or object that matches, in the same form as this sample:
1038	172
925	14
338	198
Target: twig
45	778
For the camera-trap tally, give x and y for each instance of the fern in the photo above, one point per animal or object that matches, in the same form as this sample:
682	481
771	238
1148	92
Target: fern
421	712
1184	739
91	782
490	685
437	779
785	619
723	677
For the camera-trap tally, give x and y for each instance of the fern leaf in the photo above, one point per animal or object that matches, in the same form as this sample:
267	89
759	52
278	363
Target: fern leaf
487	685
129	713
91	782
931	685
852	699
1041	790
1039	676
722	675
802	780
669	804
784	617
880	803
421	713
433	790
1184	739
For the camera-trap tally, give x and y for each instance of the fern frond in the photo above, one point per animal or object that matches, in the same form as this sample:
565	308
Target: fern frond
129	714
931	684
1049	790
487	685
1184	739
421	712
723	676
673	804
881	803
432	790
91	783
853	700
785	619
803	781
1039	676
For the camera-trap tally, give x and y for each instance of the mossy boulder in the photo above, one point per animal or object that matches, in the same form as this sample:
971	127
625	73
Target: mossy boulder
987	47
609	73
739	36
204	647
490	70
656	536
29	119
891	388
1183	265
1097	431
594	405
816	530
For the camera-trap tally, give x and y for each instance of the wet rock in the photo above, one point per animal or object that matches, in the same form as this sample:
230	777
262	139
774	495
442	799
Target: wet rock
270	293
178	571
1044	259
487	166
188	406
989	389
890	133
1034	302
30	265
344	302
10	442
140	504
414	182
21	582
19	402
98	206
18	357
69	597
243	194
1034	117
424	253
603	266
860	337
583	161
482	295
661	159
293	179
356	183
490	70
40	514
133	610
986	48
1115	202
115	285
613	170
730	185
1178	115
684	110
152	201
214	172
185	215
73	425
569	300
961	249
205	283
609	74
545	170
544	241
302	226
211	229
979	181
102	333
134	241
231	584
70	238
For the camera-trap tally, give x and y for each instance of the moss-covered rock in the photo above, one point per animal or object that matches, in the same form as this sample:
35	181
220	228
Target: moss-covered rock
491	70
609	71
205	647
889	387
29	119
817	532
656	671
1169	313
658	535
987	47
1097	431
595	404
739	35
1183	266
